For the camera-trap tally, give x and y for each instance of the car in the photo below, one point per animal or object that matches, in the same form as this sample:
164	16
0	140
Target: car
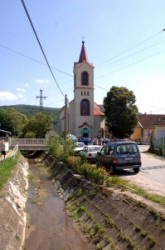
78	147
119	155
90	152
85	140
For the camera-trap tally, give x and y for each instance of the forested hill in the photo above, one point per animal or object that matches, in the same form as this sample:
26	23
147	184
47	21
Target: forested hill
30	110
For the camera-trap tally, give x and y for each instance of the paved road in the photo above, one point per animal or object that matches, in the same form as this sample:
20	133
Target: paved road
152	174
152	166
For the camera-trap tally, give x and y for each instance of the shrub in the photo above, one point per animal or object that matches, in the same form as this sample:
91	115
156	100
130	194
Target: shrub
80	166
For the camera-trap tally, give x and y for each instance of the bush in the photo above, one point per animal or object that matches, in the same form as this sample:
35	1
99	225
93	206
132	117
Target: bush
82	167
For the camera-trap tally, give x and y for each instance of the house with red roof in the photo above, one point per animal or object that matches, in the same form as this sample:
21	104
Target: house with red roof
149	124
83	117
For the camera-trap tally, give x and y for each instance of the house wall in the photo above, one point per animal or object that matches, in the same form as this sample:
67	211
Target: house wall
98	126
159	132
136	136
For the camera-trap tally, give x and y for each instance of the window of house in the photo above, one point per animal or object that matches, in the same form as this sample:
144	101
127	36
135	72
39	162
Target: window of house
85	107
84	78
87	93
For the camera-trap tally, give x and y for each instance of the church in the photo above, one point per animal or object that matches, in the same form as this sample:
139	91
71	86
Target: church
82	117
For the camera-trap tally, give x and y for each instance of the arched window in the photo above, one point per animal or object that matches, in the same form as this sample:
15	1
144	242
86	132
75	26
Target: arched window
84	78
85	107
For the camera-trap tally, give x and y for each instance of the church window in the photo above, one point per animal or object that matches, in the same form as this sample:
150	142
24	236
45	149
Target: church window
87	93
85	107
84	93
84	78
81	93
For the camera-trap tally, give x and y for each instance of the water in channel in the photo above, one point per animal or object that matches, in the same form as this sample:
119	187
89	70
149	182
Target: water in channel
48	225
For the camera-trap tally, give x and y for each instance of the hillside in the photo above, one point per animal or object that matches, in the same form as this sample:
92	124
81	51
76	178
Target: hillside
30	110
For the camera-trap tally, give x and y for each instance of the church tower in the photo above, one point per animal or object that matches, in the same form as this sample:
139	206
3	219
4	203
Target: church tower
83	95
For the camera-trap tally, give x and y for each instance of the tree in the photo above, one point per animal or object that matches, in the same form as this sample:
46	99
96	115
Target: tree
12	120
37	126
120	112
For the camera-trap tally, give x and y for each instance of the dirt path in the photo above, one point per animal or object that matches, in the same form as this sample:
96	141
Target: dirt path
48	225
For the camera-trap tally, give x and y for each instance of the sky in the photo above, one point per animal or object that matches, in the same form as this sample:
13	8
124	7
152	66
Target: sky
124	39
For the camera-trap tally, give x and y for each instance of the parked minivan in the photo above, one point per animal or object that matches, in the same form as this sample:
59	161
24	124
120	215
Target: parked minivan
119	155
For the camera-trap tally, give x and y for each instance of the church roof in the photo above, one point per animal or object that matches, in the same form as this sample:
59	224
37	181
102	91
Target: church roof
97	110
83	54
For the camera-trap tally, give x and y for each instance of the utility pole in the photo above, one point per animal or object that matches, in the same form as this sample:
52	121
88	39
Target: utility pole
65	115
65	121
41	97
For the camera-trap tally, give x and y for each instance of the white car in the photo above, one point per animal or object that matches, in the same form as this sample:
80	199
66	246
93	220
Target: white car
90	152
79	146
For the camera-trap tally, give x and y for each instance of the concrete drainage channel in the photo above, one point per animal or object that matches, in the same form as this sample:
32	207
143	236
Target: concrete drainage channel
109	218
12	208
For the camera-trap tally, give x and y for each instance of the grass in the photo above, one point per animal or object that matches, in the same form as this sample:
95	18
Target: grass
6	168
140	191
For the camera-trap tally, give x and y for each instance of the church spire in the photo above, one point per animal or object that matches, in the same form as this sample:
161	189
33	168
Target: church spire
83	55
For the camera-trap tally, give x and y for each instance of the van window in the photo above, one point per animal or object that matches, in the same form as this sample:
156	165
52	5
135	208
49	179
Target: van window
127	149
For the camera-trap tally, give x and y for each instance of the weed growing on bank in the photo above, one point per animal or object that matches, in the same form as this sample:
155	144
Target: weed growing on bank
6	167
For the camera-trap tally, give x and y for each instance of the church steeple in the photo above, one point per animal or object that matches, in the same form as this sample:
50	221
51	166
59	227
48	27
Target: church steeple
83	54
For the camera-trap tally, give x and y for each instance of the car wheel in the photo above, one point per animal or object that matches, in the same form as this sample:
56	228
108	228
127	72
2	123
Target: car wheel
136	170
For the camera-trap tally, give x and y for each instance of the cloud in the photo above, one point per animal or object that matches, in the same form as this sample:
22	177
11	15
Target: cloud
7	96
20	95
42	81
21	90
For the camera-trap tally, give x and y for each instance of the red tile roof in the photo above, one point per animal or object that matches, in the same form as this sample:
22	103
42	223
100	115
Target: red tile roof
149	120
83	54
161	122
97	110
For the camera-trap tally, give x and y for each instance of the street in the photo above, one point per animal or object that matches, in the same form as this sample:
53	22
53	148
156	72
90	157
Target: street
152	174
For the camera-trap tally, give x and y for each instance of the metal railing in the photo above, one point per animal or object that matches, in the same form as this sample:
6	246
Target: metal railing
29	143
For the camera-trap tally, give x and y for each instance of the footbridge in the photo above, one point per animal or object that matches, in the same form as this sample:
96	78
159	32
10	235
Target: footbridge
29	143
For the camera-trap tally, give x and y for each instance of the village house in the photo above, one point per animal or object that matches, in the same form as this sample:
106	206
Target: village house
149	124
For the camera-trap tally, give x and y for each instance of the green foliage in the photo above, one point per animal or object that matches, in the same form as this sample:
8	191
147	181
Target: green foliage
120	112
37	125
6	168
31	110
98	175
12	121
55	148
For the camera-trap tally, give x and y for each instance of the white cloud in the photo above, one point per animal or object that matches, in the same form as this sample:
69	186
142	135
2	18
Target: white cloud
21	90
42	81
7	96
20	95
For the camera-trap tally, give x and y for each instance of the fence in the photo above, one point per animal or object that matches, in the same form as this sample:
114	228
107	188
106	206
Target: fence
159	144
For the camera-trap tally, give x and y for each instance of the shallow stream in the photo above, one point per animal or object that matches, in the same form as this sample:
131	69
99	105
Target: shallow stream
48	224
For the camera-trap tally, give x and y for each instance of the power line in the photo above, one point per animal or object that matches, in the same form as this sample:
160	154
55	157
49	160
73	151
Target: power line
33	59
143	59
134	46
136	52
29	18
